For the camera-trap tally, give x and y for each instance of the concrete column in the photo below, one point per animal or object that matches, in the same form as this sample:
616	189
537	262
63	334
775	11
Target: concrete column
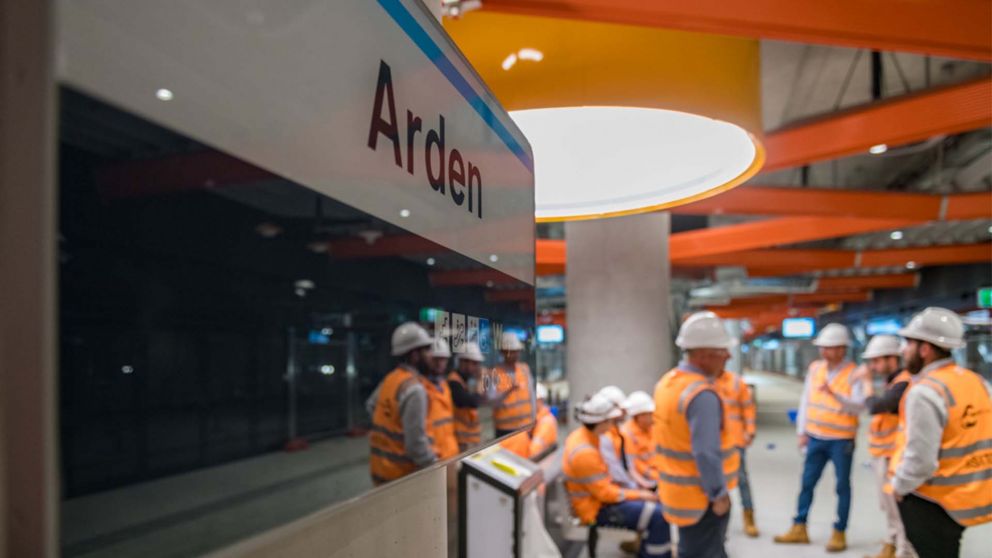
618	303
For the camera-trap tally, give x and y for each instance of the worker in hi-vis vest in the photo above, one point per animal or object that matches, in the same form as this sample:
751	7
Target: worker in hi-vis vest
827	424
402	437
467	400
942	467
544	434
882	360
514	405
696	458
440	406
595	498
740	420
636	433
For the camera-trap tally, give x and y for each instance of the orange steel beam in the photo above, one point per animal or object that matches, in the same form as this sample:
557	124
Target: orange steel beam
952	28
935	255
800	261
898	121
550	256
892	281
470	277
768	200
770	232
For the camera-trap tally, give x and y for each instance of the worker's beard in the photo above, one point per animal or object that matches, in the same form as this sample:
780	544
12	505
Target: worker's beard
914	363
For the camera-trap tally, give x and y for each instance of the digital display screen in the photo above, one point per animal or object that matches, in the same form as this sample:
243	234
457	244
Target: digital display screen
798	328
550	334
887	326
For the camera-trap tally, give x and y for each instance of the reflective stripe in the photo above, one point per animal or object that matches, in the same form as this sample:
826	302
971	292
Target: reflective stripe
390	455
682	512
580	447
398	436
828	408
646	511
579	494
687	392
947	392
682	455
961	452
466	421
683	481
970	513
657	549
442	422
954	480
511	420
852	429
587	480
882	446
884	433
520	403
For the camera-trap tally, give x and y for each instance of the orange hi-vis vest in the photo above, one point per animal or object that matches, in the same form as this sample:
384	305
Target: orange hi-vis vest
387	451
440	418
962	483
544	435
679	482
741	412
587	479
518	443
514	412
468	429
639	449
884	427
825	416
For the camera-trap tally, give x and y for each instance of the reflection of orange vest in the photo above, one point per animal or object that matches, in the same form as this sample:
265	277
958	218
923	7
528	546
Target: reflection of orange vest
544	435
388	460
514	412
679	483
518	443
825	416
739	404
884	426
440	418
639	449
468	429
587	478
962	483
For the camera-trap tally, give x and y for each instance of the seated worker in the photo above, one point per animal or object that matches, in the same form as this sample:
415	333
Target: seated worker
637	434
596	499
613	447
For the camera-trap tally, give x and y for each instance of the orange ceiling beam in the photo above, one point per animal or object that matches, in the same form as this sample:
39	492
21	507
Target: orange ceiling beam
897	121
550	256
889	281
778	201
382	247
952	28
510	295
470	277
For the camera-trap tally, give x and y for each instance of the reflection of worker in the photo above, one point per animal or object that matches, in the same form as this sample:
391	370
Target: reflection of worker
441	408
637	434
882	359
595	498
740	421
827	424
697	464
401	438
512	410
544	435
468	429
942	468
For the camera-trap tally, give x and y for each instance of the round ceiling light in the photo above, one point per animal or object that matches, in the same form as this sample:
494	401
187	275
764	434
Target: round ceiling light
594	162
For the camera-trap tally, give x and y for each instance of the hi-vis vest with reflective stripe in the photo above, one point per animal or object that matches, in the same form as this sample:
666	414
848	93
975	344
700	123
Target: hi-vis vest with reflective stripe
468	429
739	404
962	484
640	450
679	483
440	418
514	412
544	435
885	426
587	479
825	416
388	460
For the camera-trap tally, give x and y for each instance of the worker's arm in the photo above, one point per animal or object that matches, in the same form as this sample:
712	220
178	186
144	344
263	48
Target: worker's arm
371	401
586	465
704	418
462	397
413	414
803	401
926	415
888	402
613	464
749	410
854	404
545	434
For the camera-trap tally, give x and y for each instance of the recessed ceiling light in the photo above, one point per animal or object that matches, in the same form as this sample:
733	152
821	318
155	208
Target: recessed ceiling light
127	369
327	369
910	265
493	258
164	94
896	235
431	261
490	284
878	149
509	61
531	54
404	213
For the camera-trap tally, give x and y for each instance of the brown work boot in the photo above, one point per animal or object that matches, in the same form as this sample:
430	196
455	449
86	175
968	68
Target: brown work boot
796	535
838	542
888	551
631	547
750	529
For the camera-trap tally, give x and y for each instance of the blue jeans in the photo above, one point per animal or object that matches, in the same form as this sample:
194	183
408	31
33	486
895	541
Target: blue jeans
744	482
818	452
640	516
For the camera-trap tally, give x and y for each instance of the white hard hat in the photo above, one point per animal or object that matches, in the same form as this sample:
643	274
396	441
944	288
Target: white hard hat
409	336
542	392
639	402
937	326
510	342
597	409
440	348
614	395
704	330
882	346
472	352
833	335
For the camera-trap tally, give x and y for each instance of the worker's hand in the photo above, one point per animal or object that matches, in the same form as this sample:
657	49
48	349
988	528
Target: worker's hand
748	439
825	388
647	495
803	440
721	505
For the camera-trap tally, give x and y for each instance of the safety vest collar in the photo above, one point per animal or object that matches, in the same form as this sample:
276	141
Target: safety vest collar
933	367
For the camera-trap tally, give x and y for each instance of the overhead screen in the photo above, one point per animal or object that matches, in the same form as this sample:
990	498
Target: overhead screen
798	328
550	334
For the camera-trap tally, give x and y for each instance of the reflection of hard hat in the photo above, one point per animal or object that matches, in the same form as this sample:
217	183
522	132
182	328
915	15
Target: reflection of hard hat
882	346
472	352
614	395
409	336
639	402
510	342
833	335
704	330
440	348
542	392
937	326
596	409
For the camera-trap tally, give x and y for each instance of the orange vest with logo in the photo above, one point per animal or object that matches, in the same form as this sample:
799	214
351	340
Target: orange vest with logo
825	416
962	484
387	452
885	426
679	483
639	449
468	429
739	404
587	479
544	435
440	418
514	412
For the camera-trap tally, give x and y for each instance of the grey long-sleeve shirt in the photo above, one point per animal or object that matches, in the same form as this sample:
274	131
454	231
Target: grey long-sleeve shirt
926	416
854	404
413	414
618	472
705	416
